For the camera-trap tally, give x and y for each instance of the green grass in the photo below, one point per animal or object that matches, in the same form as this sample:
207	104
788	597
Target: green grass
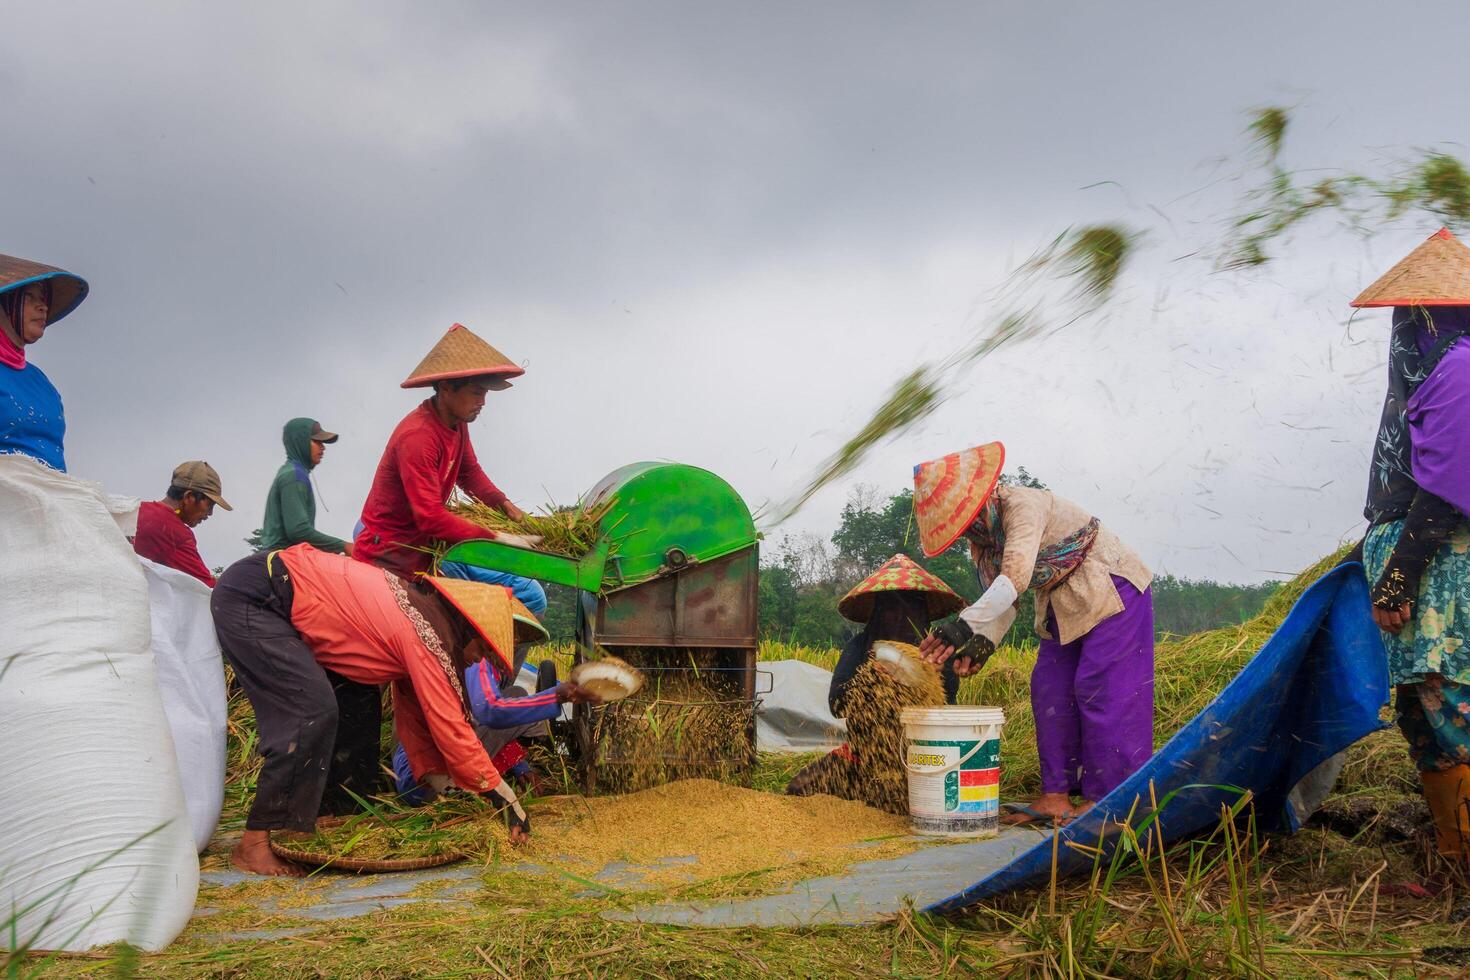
1231	903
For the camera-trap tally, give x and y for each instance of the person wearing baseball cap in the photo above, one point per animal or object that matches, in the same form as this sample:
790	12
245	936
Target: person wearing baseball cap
290	506
166	527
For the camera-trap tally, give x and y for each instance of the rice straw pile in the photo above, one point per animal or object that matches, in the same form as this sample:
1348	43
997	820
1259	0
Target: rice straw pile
567	531
683	723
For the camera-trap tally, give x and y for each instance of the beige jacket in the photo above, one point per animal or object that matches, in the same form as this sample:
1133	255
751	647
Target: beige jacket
1035	519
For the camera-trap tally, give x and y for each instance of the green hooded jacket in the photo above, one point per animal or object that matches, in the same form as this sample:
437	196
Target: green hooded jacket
290	509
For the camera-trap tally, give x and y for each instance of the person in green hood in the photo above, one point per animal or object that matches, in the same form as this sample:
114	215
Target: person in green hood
290	509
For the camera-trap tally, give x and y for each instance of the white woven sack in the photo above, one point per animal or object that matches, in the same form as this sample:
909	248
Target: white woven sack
191	681
96	846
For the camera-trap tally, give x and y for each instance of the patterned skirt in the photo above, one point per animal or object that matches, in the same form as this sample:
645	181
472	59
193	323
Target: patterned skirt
1437	639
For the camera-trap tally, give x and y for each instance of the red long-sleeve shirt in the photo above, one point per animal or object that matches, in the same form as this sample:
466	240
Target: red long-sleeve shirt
164	537
422	464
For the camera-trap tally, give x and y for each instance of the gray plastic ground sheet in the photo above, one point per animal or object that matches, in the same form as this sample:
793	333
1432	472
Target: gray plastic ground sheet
864	893
867	891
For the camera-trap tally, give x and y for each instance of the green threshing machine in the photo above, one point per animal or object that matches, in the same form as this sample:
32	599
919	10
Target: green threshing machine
670	587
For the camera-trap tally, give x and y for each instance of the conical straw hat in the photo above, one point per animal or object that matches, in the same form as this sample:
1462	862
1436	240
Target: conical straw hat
67	289
500	618
1437	273
460	354
899	574
949	492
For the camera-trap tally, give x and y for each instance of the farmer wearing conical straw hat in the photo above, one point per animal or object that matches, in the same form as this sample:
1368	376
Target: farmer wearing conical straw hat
897	602
284	618
1092	687
429	455
32	297
1417	550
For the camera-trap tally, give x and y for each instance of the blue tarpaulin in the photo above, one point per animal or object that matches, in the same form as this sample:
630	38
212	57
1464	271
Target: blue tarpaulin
1315	688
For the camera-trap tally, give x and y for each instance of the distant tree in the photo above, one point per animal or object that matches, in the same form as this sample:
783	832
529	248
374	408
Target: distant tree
254	542
1184	605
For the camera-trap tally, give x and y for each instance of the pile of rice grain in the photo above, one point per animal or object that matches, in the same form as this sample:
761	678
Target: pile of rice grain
725	830
728	830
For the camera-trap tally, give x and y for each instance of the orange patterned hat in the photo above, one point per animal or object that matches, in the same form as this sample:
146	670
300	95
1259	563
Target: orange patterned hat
900	574
949	492
499	617
1437	273
460	354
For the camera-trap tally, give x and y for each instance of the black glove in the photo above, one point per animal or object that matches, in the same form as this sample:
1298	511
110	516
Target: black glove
515	815
1429	522
966	642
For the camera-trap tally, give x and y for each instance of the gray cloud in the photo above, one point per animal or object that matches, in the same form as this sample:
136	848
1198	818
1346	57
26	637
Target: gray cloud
715	233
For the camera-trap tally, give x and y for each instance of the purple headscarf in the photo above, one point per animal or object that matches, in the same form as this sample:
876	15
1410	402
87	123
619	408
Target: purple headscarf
1438	414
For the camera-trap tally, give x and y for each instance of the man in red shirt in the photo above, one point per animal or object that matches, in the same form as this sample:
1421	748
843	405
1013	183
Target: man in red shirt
165	527
429	454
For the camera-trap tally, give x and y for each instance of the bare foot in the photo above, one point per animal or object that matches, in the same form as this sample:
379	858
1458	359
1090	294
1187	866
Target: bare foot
254	854
1076	811
1057	806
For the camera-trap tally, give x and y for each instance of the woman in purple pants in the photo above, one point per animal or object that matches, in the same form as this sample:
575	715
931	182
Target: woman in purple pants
1092	691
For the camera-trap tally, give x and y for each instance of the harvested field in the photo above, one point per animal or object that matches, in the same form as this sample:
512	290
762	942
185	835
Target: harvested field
1236	903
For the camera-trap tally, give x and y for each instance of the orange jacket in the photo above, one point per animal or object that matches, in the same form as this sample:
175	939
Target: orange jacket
352	617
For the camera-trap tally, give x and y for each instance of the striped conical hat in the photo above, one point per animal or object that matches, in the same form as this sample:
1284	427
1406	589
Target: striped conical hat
67	289
499	617
1437	273
949	492
900	574
460	354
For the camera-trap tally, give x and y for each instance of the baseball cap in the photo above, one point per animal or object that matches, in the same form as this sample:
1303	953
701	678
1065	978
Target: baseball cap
318	434
200	477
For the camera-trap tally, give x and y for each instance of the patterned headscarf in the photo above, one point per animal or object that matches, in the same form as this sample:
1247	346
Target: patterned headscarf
1053	563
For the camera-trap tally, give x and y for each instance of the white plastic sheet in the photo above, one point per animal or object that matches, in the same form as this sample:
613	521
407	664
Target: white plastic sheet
794	717
95	846
191	681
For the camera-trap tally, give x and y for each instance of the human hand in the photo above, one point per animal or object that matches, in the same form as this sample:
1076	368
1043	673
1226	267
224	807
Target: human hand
512	511
965	665
347	548
528	541
1392	620
571	691
934	650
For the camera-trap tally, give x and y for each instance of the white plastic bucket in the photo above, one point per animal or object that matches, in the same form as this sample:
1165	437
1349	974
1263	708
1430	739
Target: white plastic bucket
953	761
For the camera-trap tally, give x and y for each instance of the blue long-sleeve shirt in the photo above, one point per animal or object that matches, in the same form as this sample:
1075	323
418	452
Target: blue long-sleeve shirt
492	710
32	422
489	708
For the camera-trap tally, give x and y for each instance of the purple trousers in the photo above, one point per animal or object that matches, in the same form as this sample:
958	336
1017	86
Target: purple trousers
1094	700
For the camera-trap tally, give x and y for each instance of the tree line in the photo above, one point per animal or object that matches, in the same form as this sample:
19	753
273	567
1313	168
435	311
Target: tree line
803	576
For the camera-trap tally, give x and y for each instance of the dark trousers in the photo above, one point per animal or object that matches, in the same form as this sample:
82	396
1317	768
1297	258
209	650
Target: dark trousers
356	770
295	707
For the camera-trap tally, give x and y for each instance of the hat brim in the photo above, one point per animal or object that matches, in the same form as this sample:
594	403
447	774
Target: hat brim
498	380
324	436
859	608
67	292
219	501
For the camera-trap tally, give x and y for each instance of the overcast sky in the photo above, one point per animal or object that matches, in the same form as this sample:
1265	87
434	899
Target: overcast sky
714	233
